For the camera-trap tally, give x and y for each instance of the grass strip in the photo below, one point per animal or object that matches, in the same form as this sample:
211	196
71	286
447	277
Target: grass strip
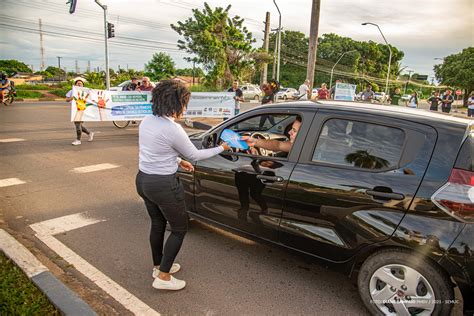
18	295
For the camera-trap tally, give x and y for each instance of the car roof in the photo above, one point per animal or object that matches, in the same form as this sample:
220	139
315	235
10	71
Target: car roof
393	110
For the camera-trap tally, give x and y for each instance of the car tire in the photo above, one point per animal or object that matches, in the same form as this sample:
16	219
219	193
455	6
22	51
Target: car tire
257	98
390	297
285	98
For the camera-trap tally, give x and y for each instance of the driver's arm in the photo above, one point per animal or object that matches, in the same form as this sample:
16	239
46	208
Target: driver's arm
273	145
6	84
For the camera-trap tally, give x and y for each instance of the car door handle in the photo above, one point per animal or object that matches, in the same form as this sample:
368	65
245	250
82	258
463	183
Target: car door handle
270	178
385	195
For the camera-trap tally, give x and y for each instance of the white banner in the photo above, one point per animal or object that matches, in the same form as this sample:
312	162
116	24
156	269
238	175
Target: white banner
102	105
345	92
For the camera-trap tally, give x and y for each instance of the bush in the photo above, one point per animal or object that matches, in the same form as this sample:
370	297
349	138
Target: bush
28	94
203	88
61	92
33	87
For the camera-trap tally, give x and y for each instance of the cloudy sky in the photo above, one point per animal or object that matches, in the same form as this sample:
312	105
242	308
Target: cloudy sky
423	29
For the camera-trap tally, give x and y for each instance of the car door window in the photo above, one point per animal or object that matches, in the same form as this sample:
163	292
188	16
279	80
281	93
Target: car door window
359	144
269	127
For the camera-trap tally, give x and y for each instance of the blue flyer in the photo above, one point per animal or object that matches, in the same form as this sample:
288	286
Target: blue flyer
233	139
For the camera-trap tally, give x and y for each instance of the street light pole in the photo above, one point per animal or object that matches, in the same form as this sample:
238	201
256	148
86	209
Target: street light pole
279	43
107	76
332	70
389	58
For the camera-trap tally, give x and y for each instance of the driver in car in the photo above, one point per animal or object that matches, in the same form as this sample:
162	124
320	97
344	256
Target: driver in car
276	145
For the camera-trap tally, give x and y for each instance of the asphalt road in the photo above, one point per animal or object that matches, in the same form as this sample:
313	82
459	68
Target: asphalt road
226	274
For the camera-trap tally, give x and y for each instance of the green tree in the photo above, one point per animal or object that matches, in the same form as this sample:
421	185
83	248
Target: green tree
220	43
198	72
457	70
55	71
10	66
369	59
161	66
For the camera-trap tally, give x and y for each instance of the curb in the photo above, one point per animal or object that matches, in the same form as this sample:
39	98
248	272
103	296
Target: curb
60	296
39	100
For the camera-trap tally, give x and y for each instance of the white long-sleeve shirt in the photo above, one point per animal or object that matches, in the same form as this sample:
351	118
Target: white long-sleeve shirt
161	141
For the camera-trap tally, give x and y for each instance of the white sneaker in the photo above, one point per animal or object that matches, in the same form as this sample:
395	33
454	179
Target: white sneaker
91	137
174	268
76	142
173	284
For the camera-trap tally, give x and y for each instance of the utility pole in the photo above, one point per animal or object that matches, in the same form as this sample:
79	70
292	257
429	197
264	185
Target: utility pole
77	67
59	66
408	81
313	43
266	42
41	45
88	66
107	75
275	56
194	65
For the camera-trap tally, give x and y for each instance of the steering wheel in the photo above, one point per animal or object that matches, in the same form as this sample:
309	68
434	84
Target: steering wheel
261	151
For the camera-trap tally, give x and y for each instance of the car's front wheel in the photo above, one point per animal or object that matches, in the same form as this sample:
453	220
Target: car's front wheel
397	282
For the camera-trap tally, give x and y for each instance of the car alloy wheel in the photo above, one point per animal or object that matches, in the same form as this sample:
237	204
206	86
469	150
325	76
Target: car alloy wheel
400	290
403	282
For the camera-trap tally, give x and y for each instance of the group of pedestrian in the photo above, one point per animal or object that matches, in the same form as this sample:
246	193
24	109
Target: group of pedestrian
446	101
135	85
323	93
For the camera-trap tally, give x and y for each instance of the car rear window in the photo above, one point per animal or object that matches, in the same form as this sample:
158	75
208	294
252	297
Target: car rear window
466	155
359	144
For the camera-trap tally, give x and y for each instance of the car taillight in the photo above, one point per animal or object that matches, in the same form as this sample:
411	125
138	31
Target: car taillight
457	196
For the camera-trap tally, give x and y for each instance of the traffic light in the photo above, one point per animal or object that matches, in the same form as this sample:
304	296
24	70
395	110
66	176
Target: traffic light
110	30
72	5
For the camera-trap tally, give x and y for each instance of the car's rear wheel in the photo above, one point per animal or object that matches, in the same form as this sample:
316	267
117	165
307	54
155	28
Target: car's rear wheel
397	282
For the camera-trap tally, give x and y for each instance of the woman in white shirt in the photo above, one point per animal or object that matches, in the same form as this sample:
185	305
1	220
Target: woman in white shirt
413	102
161	142
80	128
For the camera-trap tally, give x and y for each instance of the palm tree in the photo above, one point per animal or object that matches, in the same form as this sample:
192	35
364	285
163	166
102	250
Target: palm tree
362	159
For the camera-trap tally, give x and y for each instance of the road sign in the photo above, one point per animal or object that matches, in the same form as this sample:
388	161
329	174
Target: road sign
422	77
458	92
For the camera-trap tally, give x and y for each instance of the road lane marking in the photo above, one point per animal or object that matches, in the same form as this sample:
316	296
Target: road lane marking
45	232
93	168
11	140
10	181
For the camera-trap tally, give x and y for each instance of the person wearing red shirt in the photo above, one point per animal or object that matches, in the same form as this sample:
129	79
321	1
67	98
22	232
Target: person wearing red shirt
323	93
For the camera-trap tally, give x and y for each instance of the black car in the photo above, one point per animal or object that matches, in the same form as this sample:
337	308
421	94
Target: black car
384	194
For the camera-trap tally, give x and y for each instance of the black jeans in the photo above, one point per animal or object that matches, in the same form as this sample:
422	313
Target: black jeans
80	129
470	112
164	201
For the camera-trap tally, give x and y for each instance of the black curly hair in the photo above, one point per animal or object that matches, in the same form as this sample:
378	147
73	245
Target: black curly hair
170	98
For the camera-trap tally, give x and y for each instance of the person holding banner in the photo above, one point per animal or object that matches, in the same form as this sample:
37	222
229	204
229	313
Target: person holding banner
161	141
80	128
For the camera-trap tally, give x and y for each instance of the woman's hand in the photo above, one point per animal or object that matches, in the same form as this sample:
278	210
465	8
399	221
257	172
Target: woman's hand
186	165
225	146
252	142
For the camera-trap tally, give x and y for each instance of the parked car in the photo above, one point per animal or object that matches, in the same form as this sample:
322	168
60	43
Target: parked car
380	96
251	92
380	193
286	93
405	97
